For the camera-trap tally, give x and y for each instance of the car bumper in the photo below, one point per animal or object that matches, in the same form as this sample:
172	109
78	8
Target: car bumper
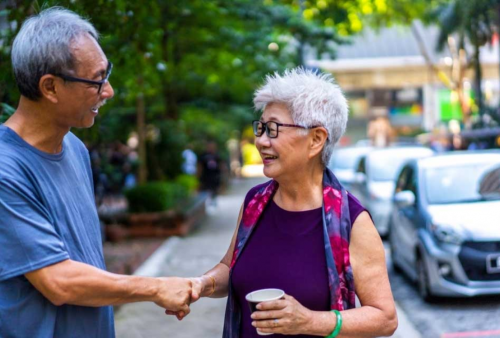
456	283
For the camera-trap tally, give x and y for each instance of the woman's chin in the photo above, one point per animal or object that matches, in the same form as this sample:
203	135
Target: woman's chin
269	172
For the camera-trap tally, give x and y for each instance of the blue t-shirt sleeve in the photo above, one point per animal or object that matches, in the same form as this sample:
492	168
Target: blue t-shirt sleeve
28	240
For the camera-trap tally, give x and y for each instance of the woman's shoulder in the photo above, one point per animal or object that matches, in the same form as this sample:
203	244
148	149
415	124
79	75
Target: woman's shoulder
353	200
251	193
355	207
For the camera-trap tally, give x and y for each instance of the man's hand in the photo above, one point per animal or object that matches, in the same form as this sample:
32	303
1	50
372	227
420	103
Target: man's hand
174	295
198	288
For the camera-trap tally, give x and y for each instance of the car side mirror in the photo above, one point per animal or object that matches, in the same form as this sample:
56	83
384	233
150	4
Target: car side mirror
360	178
404	199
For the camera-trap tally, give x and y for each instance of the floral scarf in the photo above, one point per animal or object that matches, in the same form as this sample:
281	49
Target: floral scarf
337	235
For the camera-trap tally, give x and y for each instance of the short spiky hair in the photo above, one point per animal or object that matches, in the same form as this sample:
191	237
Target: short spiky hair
312	97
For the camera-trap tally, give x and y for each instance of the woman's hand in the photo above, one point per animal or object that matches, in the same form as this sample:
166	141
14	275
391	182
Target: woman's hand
285	316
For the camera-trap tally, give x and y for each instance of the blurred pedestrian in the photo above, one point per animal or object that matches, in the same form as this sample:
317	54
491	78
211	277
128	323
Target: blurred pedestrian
302	232
190	160
210	171
380	131
53	281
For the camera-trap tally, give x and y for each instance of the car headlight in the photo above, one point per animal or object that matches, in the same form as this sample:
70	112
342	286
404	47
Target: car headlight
446	234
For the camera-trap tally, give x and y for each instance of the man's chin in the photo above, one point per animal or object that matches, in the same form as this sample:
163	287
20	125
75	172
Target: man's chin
85	123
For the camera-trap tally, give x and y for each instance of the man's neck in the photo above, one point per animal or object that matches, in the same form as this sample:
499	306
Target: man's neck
35	126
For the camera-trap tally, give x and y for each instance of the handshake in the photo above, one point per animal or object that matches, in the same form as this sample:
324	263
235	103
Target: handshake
175	294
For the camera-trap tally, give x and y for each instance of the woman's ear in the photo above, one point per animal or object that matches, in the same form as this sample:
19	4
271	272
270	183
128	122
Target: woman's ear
319	137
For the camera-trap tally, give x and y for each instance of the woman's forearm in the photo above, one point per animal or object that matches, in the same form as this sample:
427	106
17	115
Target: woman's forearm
365	321
220	274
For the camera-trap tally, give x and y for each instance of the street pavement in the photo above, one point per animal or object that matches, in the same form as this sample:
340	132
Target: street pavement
192	256
447	317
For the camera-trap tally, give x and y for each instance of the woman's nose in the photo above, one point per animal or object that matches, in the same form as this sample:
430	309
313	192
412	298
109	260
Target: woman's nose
262	140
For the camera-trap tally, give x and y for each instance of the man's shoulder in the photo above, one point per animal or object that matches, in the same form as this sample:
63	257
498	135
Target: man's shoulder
77	145
74	141
12	155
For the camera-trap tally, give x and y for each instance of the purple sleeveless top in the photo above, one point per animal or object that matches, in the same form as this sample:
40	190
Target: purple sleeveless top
286	251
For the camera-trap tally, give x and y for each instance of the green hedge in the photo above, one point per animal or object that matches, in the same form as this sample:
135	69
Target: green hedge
190	183
156	196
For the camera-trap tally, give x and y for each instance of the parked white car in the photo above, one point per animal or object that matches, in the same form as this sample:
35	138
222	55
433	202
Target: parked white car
344	163
376	177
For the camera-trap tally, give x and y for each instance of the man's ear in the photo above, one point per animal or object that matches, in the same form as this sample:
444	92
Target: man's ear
318	139
49	86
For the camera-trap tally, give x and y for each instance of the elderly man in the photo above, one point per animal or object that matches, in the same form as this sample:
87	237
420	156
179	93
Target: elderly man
52	277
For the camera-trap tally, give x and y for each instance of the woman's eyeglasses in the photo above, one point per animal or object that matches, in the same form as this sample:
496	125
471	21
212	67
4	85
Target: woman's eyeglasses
272	128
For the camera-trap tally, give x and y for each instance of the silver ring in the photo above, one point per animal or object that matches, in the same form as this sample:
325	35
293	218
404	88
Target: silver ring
276	321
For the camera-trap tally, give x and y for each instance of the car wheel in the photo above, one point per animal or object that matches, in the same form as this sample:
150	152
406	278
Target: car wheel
423	281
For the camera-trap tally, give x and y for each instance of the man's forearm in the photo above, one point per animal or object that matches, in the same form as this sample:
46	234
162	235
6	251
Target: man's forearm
76	283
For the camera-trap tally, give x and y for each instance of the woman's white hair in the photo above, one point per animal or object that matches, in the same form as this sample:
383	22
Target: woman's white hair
312	97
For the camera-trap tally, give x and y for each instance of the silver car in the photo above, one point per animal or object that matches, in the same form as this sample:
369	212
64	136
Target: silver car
376	177
344	163
445	230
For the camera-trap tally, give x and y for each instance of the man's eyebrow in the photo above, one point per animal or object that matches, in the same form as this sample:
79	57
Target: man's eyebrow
100	73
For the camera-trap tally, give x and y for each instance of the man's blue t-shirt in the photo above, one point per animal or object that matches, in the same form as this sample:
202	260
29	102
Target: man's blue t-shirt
47	215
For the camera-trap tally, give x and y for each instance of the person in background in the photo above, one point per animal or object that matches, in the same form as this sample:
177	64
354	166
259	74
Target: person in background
189	161
380	131
210	171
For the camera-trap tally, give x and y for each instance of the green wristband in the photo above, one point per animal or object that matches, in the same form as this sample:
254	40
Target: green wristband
338	326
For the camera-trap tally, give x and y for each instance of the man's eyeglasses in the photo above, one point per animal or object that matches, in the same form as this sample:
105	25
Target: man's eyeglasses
100	83
272	128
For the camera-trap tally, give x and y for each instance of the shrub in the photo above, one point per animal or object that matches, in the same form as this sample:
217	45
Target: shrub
188	182
155	196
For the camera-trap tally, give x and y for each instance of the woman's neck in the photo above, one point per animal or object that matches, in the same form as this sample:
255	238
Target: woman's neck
301	192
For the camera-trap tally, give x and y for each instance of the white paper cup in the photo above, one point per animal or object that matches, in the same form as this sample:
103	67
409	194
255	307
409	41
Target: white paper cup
264	295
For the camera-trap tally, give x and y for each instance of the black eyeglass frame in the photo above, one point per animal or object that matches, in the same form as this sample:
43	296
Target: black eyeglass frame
100	83
265	128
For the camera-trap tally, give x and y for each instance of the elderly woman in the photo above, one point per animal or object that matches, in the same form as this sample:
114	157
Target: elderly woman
302	232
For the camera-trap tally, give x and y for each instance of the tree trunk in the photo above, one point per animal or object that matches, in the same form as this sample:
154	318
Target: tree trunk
169	52
141	132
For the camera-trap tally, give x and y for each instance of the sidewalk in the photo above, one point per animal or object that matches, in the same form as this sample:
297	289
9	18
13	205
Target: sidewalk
192	256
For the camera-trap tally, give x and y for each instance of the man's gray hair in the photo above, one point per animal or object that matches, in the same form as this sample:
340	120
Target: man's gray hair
43	46
312	97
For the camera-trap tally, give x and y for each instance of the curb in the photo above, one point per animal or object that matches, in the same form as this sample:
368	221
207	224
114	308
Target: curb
151	267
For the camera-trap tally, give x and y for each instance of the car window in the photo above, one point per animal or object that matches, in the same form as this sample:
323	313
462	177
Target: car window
385	165
402	179
362	166
411	183
462	184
